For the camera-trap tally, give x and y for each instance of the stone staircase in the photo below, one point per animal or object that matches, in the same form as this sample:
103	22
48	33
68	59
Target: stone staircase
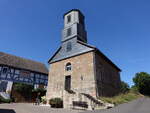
77	100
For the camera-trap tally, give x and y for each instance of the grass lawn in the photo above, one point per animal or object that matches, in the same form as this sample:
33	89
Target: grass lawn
122	98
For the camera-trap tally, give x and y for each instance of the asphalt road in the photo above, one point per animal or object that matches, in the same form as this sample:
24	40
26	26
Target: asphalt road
30	108
141	105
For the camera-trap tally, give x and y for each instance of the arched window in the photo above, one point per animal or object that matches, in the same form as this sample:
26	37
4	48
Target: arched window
68	66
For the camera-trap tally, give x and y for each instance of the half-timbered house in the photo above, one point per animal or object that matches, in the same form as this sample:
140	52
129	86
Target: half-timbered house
17	69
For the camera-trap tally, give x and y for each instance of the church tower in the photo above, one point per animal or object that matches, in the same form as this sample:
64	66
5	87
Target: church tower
73	34
74	27
80	73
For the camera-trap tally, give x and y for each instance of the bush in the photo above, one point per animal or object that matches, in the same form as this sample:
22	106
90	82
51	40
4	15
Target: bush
24	89
2	100
134	89
124	87
44	101
56	103
40	91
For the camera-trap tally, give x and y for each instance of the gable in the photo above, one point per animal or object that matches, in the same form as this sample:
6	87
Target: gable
77	49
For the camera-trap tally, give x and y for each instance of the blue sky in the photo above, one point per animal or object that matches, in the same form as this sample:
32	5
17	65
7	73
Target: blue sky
119	28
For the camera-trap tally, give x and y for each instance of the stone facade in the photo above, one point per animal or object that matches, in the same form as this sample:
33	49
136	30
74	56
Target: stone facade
90	74
82	76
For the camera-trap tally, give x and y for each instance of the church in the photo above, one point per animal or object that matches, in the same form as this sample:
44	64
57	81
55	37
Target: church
80	73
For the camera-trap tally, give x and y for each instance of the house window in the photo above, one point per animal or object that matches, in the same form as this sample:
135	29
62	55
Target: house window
69	46
69	19
68	67
69	32
24	73
5	70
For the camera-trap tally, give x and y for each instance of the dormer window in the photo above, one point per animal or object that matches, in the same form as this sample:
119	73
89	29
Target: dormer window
68	31
68	66
68	18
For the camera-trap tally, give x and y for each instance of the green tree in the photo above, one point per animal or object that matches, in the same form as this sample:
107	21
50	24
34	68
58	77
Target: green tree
24	89
124	87
142	82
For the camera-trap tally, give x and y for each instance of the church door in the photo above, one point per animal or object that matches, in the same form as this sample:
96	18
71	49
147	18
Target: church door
67	83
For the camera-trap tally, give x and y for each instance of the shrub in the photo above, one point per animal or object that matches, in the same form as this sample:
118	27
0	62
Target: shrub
44	101
40	91
134	89
2	100
24	89
56	103
124	87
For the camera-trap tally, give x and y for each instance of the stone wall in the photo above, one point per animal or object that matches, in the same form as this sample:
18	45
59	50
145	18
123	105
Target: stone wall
107	77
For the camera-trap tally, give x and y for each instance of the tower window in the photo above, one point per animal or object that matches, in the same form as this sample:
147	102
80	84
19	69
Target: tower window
68	66
68	31
69	47
69	19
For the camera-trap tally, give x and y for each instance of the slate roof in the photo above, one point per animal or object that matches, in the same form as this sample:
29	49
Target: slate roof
100	53
79	48
22	63
73	10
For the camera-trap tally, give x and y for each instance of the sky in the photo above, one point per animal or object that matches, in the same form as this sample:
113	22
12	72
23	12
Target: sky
119	28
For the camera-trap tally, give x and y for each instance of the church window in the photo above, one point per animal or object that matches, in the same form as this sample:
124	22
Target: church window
69	47
69	32
68	67
68	18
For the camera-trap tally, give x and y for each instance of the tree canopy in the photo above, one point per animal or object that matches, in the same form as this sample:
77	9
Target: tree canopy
142	82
